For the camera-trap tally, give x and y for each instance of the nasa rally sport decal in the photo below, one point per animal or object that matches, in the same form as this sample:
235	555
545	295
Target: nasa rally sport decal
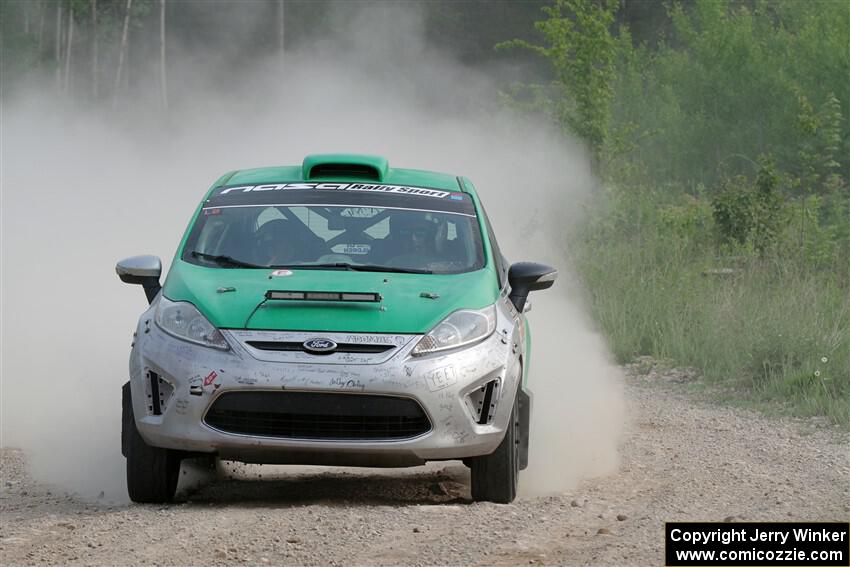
375	188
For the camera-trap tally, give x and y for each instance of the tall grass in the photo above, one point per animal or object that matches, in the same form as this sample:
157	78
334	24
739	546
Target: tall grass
774	329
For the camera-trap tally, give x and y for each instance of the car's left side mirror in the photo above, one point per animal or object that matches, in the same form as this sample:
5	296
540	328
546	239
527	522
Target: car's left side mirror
525	277
142	270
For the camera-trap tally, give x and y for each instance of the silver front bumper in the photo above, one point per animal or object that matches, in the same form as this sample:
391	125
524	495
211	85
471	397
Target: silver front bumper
189	378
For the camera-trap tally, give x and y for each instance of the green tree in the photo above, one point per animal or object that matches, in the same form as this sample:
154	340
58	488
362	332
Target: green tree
581	49
733	80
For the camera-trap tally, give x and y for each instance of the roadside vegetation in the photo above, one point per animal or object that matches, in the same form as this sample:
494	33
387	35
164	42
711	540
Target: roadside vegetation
721	239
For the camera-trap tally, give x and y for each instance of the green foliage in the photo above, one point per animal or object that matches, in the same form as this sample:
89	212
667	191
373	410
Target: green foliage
760	325
733	79
748	213
581	49
736	266
742	79
820	142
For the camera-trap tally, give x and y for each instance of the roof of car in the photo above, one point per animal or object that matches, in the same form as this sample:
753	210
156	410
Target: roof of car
343	167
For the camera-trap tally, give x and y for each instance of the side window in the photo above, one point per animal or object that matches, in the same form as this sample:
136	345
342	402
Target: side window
499	259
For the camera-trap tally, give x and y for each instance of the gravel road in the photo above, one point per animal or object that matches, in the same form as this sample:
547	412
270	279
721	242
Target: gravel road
683	458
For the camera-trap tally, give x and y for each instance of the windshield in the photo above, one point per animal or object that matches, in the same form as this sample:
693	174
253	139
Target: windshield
335	236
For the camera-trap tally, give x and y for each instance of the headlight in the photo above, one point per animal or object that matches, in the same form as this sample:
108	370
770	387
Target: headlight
183	320
461	328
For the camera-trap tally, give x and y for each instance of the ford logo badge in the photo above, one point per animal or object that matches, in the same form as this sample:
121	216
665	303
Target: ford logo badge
319	346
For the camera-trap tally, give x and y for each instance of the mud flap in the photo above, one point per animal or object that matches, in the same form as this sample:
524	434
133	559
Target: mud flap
524	426
126	405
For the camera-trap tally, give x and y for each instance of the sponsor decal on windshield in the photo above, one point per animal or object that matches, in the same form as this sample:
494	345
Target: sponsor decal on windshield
349	249
375	188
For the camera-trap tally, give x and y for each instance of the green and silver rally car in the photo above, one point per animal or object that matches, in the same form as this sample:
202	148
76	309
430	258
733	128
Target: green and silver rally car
340	312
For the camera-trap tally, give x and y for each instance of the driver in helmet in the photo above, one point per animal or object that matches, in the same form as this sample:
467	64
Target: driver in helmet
412	234
410	242
276	244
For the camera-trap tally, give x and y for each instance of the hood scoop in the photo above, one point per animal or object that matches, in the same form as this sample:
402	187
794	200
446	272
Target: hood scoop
330	166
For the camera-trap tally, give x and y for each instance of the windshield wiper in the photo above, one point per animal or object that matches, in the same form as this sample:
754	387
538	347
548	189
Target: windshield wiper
225	261
377	268
354	268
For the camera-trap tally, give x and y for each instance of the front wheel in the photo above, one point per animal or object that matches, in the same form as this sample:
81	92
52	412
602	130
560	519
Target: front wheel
495	476
152	472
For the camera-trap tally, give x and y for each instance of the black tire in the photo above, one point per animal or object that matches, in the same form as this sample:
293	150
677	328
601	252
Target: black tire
495	476
152	472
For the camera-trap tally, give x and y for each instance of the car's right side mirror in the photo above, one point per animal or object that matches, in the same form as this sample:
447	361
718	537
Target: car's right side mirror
142	270
525	277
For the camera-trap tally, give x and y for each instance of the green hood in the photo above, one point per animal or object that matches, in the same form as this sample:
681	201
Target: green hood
404	310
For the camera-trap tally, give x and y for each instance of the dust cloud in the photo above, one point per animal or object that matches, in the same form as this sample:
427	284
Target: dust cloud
83	186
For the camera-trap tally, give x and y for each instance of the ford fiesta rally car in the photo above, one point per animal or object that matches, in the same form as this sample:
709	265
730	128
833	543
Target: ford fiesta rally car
337	313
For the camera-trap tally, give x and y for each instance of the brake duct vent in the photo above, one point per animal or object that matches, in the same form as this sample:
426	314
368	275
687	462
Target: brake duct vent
159	393
482	401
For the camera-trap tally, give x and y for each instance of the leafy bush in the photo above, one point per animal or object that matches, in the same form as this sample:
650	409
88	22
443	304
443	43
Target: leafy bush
747	213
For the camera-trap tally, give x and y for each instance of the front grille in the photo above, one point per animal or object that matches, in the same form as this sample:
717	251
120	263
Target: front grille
295	346
313	415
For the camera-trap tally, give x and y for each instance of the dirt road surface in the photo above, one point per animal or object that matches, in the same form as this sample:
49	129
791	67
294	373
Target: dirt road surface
682	459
